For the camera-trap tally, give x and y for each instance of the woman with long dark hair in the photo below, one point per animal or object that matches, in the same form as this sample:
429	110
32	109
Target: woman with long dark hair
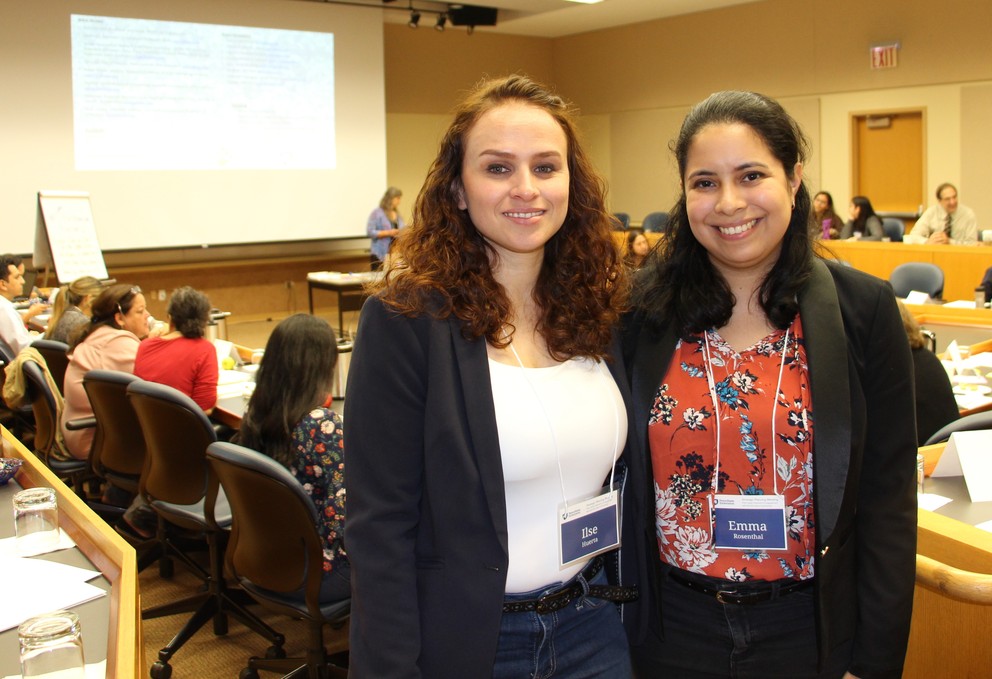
289	418
864	224
773	442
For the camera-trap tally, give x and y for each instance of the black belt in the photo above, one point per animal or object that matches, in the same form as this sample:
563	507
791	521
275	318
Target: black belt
557	599
745	594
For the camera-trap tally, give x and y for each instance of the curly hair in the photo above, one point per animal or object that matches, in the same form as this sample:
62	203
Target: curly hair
444	267
189	311
684	286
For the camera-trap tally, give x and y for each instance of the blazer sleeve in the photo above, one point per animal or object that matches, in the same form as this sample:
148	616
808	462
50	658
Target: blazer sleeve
886	492
386	405
846	231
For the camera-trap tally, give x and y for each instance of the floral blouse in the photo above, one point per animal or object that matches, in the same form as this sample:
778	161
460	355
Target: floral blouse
319	467
682	433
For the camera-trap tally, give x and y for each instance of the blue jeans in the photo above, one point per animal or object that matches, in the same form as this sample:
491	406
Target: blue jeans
584	640
705	639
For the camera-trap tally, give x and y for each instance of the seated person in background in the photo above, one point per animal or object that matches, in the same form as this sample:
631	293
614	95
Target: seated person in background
946	222
182	358
638	248
109	342
827	223
289	419
864	223
935	404
71	309
12	328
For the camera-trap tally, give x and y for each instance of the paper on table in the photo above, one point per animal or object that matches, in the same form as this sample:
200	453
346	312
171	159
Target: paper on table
985	525
94	670
917	297
931	501
960	304
8	546
967	454
37	593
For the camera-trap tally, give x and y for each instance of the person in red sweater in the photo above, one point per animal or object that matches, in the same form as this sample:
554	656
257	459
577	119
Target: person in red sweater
182	358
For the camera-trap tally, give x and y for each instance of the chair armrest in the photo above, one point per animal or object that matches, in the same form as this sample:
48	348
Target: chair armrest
81	423
952	582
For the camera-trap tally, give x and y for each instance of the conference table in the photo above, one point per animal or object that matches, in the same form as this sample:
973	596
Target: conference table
349	287
111	624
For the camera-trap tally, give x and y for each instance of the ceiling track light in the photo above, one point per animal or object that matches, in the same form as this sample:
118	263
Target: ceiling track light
442	19
414	19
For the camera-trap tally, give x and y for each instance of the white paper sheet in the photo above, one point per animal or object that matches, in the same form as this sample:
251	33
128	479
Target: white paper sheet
8	546
44	586
969	454
931	501
96	670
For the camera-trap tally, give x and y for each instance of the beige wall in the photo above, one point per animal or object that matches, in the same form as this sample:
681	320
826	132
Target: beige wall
634	84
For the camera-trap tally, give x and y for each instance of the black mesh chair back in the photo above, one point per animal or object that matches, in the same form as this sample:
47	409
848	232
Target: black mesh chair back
656	222
919	276
118	452
56	355
275	549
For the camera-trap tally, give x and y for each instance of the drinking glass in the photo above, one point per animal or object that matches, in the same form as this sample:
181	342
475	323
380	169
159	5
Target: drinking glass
51	646
36	521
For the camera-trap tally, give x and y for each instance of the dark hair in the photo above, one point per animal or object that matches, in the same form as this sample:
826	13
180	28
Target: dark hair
386	203
945	185
115	299
684	286
865	210
831	214
72	295
294	378
7	261
189	311
443	263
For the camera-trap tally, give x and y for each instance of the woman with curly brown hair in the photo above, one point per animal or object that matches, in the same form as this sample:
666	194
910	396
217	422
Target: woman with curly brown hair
482	413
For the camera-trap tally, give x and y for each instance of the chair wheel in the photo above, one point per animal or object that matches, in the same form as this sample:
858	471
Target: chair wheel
248	673
275	653
161	670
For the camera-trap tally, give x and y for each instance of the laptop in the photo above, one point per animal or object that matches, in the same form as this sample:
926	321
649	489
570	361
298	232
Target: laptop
29	280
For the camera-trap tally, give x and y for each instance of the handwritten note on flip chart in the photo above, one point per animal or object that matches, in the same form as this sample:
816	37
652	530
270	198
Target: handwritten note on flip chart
72	245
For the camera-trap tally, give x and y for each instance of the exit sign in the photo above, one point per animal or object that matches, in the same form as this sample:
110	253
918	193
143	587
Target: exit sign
885	56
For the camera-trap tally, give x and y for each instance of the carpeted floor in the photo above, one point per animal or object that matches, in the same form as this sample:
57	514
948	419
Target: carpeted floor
206	656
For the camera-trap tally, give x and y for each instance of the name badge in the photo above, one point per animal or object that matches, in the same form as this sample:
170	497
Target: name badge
749	521
588	527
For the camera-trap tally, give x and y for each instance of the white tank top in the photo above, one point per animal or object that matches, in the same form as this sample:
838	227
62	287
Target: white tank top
581	402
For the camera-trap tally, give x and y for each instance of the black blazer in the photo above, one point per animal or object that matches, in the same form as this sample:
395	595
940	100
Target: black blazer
864	438
426	529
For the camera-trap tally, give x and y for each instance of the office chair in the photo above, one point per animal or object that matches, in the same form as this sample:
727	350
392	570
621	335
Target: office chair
920	276
276	552
621	221
893	229
47	409
18	419
56	355
656	222
117	454
177	483
974	422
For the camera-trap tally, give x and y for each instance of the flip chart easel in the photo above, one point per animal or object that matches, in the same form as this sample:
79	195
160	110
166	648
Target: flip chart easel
65	236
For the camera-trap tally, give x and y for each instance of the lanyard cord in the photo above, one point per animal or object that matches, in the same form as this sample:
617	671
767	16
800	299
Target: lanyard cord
551	428
716	409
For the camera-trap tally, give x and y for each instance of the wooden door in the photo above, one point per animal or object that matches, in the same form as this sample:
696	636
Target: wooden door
889	159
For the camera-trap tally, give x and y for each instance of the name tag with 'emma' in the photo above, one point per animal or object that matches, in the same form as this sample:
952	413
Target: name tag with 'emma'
749	521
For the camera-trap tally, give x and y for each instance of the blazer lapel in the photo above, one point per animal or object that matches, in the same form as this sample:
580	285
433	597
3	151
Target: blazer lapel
476	386
827	355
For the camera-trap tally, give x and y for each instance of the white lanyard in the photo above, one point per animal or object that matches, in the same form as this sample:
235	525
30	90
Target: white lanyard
551	428
716	414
